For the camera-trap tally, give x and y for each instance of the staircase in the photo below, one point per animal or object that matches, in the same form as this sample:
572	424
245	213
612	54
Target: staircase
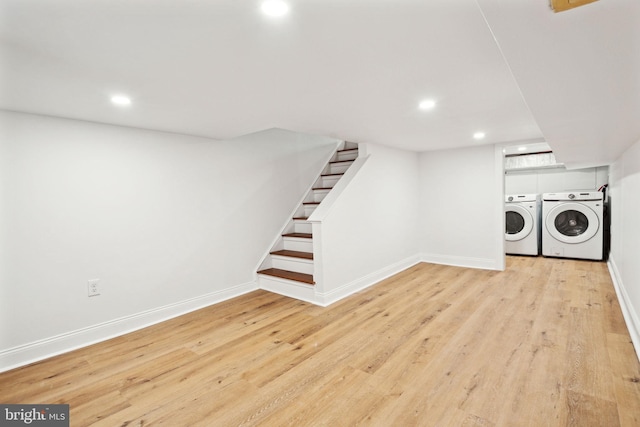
290	261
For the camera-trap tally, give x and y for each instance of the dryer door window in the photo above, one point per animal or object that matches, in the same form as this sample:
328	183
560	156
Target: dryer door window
519	222
572	222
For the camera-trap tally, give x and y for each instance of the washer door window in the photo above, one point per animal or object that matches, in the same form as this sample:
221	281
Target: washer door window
519	223
572	223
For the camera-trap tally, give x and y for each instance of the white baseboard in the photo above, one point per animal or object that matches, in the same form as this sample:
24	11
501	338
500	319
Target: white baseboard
63	343
630	315
457	261
327	298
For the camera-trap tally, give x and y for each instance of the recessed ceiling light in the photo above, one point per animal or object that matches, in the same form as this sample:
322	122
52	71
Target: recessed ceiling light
479	135
275	7
427	104
121	100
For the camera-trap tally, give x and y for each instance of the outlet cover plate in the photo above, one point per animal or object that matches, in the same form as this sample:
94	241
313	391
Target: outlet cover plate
93	287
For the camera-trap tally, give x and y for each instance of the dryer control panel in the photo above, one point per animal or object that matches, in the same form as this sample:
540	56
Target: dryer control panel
573	196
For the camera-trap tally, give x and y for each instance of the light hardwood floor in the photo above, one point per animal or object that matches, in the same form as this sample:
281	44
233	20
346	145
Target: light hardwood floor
540	344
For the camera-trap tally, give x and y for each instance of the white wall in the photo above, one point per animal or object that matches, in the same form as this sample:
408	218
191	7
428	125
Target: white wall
624	196
167	222
461	207
555	180
170	223
369	232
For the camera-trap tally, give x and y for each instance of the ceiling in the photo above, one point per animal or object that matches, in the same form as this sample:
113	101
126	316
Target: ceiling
350	69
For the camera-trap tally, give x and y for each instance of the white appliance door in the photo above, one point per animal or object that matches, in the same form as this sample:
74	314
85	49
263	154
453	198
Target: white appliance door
572	222
519	223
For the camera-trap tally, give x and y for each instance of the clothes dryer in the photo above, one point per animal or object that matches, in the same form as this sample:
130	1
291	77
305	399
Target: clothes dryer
573	224
522	219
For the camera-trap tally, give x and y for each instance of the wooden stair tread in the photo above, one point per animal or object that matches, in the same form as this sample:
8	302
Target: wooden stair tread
289	275
311	203
299	235
294	254
332	174
300	218
341	161
347	149
322	188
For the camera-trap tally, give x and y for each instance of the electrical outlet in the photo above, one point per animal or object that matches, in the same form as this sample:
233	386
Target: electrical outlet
93	287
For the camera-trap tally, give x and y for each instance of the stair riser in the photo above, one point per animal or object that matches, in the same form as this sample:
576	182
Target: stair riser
329	181
319	195
292	264
302	245
301	291
349	144
308	209
348	155
302	227
338	167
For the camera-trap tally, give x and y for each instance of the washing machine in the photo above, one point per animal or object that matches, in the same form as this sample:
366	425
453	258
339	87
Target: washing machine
522	219
573	224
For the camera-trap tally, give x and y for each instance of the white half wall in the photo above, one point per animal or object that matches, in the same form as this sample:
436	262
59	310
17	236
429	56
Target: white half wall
369	231
167	223
461	207
624	199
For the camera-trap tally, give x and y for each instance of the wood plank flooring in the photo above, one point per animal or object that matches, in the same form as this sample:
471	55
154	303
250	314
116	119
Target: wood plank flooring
540	344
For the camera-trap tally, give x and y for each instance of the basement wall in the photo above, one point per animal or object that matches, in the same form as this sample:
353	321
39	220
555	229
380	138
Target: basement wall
624	198
462	207
168	224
